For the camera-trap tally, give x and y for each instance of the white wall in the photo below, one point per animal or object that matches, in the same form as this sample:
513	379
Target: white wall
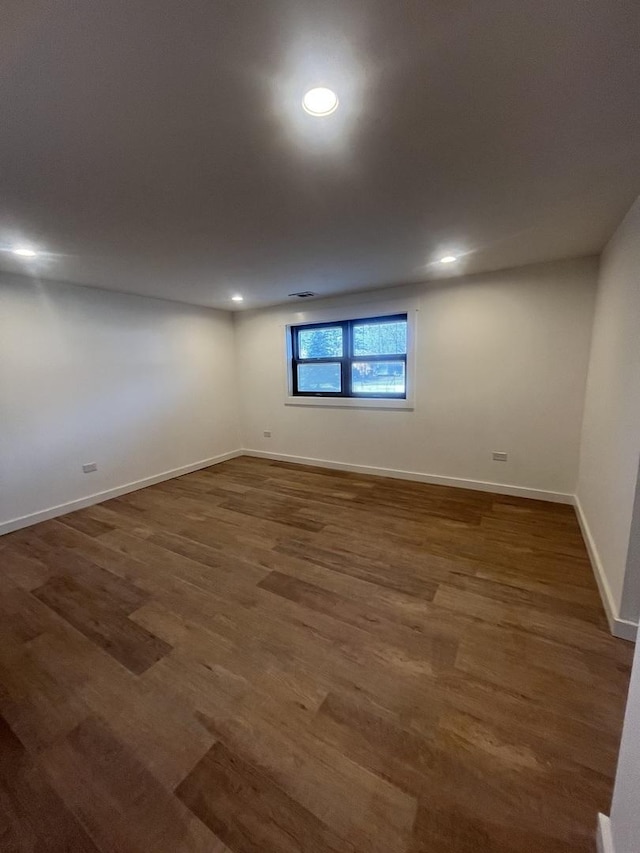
140	386
622	833
611	432
501	365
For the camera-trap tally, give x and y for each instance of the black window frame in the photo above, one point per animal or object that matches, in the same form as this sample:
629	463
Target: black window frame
347	359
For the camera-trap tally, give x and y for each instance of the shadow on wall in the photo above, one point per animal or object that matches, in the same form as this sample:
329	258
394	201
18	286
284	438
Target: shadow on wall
631	589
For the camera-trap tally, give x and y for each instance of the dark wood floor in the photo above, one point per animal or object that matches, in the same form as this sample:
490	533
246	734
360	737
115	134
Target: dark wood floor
265	658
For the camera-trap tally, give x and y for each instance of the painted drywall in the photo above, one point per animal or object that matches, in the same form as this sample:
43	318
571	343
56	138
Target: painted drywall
623	829
610	450
632	573
501	366
140	386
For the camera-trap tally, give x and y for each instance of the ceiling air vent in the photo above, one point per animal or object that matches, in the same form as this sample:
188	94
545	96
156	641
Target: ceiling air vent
304	294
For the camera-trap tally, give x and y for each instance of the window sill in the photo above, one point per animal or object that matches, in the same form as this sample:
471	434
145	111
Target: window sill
350	403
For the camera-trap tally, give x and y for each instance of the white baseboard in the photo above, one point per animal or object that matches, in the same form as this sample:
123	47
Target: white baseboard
434	479
604	839
98	497
623	628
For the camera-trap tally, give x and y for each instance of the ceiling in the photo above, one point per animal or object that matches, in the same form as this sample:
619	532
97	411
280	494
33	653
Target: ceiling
160	147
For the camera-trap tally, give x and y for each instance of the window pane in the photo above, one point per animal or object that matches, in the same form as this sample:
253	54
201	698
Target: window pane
321	378
378	377
380	338
320	343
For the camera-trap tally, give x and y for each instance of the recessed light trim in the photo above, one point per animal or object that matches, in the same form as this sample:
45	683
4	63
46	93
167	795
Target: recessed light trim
24	252
320	101
237	298
448	259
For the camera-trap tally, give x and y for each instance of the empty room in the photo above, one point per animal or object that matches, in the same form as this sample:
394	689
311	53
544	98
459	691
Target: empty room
319	426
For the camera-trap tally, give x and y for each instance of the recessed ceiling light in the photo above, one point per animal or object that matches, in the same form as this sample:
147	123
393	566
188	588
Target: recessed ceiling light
237	298
320	102
24	252
448	259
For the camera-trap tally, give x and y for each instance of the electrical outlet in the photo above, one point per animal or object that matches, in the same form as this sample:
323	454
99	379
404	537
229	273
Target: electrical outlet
89	467
499	456
266	433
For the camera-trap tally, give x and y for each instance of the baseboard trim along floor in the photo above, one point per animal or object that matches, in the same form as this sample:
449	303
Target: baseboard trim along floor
622	628
604	839
116	491
418	477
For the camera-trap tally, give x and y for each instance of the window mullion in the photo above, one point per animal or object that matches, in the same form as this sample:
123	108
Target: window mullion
348	358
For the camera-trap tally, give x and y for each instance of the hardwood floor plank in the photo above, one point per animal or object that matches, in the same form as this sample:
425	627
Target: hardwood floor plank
84	523
547	731
24	571
269	507
441	828
411	583
180	555
249	812
458	765
392	643
35	817
408	610
102	781
539	673
316	598
35	702
95	615
587	609
360	807
530	619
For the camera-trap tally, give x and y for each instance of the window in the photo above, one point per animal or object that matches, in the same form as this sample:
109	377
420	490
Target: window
352	358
